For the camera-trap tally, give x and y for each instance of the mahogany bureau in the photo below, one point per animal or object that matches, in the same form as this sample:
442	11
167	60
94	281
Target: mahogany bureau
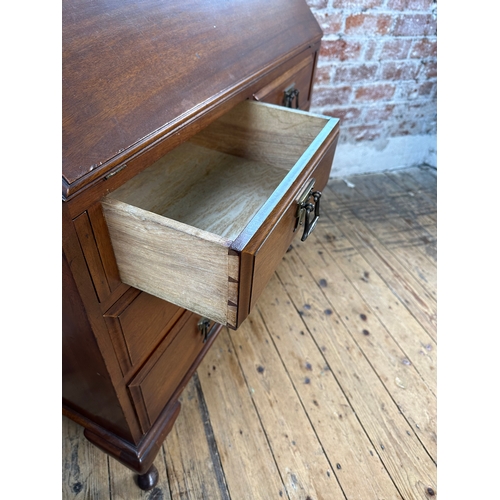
190	162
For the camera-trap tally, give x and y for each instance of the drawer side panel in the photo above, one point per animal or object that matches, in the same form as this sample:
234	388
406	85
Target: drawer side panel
151	253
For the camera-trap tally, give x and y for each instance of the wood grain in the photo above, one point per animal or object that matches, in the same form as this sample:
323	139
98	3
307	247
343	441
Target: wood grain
393	437
419	346
238	431
152	252
276	379
378	218
92	257
202	187
191	454
123	483
178	56
357	469
264	133
300	77
385	354
142	322
400	281
156	383
84	468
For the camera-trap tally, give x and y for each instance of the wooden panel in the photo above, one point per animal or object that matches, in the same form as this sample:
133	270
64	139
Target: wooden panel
265	133
142	322
86	383
153	252
104	247
270	253
92	257
204	188
159	379
178	55
299	77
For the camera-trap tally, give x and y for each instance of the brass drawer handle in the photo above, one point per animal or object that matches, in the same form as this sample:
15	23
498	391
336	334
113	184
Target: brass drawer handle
305	208
289	95
204	327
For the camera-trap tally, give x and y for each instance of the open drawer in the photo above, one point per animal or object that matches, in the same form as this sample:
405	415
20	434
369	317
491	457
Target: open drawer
206	226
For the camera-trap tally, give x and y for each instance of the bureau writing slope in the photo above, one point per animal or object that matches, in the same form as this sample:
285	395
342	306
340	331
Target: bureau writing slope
190	162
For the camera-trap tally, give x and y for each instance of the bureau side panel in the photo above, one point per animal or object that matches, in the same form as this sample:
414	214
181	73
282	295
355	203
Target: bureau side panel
86	386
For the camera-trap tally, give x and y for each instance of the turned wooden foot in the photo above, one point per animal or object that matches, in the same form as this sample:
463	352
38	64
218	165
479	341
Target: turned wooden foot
148	480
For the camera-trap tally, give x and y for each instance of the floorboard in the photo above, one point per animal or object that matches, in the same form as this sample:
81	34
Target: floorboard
328	389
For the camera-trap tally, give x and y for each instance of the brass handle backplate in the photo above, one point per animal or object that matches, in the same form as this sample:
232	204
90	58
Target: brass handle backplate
204	327
305	207
290	94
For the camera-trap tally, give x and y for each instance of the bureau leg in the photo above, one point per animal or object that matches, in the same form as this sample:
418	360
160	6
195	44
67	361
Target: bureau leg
148	480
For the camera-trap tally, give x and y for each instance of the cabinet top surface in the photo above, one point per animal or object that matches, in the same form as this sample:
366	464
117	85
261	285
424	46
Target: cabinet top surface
133	70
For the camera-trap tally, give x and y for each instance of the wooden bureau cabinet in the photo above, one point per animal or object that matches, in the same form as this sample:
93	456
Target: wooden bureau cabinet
190	163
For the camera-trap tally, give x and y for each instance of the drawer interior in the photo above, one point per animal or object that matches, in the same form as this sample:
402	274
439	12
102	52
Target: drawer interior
220	179
178	227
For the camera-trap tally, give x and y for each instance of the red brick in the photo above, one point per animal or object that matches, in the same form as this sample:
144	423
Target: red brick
424	48
411	126
427	89
370	49
395	48
323	76
346	115
375	92
356	4
368	24
409	4
355	72
407	91
379	114
329	96
422	110
339	50
400	70
415	25
428	69
331	24
406	128
362	132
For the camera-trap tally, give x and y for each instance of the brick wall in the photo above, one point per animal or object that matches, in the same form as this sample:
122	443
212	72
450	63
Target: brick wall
377	73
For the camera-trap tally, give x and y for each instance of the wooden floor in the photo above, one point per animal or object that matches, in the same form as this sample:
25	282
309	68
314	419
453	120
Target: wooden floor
328	389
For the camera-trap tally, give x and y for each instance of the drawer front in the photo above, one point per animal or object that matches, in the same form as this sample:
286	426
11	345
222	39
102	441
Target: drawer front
162	375
293	88
138	322
192	228
267	250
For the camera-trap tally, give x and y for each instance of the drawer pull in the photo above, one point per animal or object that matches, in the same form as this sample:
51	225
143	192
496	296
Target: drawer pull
204	327
289	95
305	208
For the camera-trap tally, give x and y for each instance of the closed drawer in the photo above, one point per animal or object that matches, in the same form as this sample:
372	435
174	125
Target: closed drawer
138	322
292	88
163	374
192	228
